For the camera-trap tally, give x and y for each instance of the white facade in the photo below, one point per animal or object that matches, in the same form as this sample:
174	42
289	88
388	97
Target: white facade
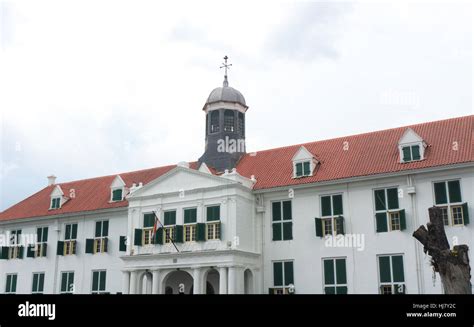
241	261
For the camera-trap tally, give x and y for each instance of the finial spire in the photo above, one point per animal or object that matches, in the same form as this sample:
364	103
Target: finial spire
226	66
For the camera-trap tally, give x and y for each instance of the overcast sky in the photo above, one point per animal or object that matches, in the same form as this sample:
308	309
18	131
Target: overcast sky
90	88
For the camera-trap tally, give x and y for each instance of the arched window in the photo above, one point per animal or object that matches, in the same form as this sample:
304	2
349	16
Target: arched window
215	121
241	124
228	121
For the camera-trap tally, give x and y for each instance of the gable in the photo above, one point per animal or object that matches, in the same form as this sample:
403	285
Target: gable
410	136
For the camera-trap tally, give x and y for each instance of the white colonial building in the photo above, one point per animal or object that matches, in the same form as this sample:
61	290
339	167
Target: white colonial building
332	216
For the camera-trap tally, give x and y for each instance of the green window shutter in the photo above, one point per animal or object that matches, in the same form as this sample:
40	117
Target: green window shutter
63	282
415	149
102	280
278	273
138	237
319	227
341	277
219	226
287	210
329	272
337	204
178	237
397	266
329	290
9	282
44	250
170	218
117	195
45	234
60	248
326	206
35	283
306	168
381	221
89	245
95	281
67	233
74	231
39	234
384	269
3	253
299	169
276	211
287	231
123	244
465	213
406	153
213	213
148	220
380	200
98	228
71	280
400	288
105	228
30	251
159	236
106	244
14	279
341	290
392	197
454	191
440	193
20	252
190	216
41	283
276	229
403	222
200	232
288	266
340	225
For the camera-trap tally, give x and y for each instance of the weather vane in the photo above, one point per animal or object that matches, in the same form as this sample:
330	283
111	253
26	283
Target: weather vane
226	66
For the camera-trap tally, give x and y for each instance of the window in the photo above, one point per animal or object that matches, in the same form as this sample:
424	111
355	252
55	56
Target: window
388	215
241	124
190	218
282	225
38	283
101	234
447	196
148	224
228	121
411	153
117	194
70	236
214	121
213	217
303	169
55	203
335	280
391	274
169	223
15	251
331	221
67	282
41	241
10	287
98	282
282	276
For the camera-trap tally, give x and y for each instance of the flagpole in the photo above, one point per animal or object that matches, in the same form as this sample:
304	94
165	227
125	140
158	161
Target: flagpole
171	238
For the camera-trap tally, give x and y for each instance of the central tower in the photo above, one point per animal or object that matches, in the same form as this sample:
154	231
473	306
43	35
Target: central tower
225	126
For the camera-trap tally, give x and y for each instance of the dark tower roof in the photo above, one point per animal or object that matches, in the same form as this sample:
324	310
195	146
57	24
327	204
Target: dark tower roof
226	94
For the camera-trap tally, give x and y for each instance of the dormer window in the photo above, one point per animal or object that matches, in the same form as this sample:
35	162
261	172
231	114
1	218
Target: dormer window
411	146
411	153
304	163
55	203
117	195
117	189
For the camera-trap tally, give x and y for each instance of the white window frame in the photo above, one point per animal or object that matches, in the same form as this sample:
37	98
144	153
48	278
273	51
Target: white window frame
392	283
335	274
71	243
32	280
448	205
112	193
388	211
284	289
311	168
51	203
332	217
68	286
10	286
98	282
99	241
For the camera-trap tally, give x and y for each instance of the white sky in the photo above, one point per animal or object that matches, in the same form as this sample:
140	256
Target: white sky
90	88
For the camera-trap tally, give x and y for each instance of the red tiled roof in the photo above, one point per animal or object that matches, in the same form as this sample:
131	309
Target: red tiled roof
368	154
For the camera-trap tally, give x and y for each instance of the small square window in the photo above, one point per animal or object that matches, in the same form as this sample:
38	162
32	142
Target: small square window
55	203
117	195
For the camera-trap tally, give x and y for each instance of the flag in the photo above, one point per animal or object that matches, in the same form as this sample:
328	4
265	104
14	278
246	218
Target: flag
156	225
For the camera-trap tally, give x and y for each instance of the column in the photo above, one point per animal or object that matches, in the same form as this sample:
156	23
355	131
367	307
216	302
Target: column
126	282
231	281
156	287
133	282
197	281
223	280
